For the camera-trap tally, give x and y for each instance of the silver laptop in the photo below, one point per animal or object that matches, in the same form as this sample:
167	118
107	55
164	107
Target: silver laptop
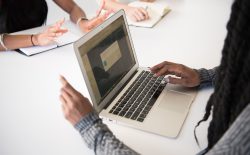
121	91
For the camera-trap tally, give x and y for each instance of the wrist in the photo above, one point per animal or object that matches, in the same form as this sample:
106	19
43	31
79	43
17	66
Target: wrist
34	39
197	77
86	121
81	20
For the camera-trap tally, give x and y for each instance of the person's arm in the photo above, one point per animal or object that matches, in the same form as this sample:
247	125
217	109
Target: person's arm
12	42
72	9
99	138
207	76
79	112
134	13
78	16
236	140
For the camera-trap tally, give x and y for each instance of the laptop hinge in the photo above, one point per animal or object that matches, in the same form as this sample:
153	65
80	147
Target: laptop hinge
123	86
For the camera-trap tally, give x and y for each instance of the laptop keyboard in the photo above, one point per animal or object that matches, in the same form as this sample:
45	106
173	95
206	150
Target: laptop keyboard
137	101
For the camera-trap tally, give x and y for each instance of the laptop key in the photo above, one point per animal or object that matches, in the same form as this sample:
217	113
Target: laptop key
128	115
142	116
115	112
122	113
137	101
140	119
145	112
134	117
135	114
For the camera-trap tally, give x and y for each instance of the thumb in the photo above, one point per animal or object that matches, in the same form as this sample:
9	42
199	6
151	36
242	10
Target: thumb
173	80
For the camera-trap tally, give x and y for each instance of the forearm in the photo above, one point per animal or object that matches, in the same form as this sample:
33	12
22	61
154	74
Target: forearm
207	76
98	137
16	41
71	8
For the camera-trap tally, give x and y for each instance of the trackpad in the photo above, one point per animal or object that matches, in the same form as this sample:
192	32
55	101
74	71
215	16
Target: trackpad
175	101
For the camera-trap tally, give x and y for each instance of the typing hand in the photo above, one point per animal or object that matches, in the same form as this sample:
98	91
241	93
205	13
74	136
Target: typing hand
74	105
185	76
50	34
88	25
137	14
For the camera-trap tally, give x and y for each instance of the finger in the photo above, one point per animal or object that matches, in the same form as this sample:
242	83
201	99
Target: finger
162	71
66	96
57	27
136	16
58	34
63	108
157	67
68	88
140	15
63	80
62	30
98	12
106	15
173	80
52	29
63	101
145	13
60	22
160	65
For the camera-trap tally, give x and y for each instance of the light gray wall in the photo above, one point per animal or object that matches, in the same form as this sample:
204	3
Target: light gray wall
56	13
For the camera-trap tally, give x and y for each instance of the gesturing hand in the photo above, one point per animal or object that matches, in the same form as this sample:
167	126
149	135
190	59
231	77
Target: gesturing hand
88	25
74	105
185	76
50	34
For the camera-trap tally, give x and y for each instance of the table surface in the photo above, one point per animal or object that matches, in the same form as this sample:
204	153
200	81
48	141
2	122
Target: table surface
31	117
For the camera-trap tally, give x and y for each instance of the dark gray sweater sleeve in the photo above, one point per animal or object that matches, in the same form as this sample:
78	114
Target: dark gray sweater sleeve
236	141
99	138
207	76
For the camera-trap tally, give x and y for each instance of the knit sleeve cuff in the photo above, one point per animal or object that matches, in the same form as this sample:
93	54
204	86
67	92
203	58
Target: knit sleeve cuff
207	76
87	121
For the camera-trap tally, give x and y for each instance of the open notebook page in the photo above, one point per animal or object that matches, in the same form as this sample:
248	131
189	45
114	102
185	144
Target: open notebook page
65	39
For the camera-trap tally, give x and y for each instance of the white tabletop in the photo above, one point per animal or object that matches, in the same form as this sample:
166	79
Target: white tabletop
31	119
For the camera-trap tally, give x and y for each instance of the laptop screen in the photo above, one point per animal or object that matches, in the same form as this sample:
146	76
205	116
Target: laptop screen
107	58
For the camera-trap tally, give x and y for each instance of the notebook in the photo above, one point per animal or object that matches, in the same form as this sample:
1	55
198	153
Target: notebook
63	40
156	11
123	92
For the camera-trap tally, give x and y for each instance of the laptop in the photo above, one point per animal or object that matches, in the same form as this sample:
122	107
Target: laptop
123	92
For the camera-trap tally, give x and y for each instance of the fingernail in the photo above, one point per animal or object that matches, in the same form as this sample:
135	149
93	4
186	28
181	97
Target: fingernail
166	79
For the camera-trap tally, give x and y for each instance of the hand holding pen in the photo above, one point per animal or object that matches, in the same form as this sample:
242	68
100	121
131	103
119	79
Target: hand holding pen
137	14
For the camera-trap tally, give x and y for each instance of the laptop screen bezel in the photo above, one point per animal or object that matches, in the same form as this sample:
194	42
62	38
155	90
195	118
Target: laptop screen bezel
108	98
